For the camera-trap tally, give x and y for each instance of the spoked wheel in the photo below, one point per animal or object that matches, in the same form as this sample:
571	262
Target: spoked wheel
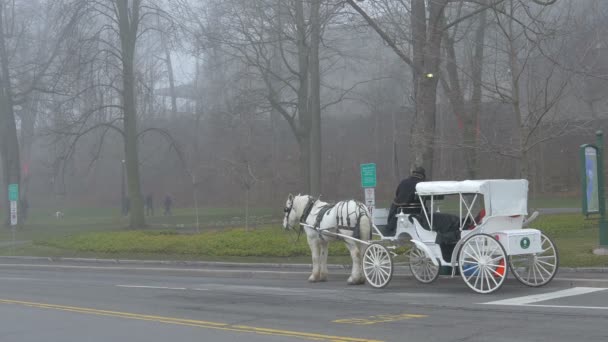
422	267
536	269
482	263
377	265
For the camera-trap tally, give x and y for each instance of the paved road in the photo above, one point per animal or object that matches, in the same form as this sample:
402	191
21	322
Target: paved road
133	303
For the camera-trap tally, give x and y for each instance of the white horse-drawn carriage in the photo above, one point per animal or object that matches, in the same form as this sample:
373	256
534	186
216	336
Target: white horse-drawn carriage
474	227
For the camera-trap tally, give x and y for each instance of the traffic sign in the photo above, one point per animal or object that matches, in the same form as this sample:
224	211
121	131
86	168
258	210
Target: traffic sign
13	192
368	175
14	213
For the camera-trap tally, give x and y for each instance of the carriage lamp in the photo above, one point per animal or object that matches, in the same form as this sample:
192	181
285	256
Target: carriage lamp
429	75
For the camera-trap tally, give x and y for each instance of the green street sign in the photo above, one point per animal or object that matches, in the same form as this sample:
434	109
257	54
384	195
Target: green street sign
13	192
368	175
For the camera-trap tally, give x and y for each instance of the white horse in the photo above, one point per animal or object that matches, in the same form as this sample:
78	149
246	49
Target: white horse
350	218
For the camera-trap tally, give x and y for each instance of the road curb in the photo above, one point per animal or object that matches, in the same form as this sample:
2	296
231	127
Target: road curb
216	264
568	274
222	264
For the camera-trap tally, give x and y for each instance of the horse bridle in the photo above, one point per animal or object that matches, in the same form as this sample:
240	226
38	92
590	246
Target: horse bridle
287	211
307	209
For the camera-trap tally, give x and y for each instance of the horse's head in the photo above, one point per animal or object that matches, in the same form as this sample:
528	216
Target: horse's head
290	215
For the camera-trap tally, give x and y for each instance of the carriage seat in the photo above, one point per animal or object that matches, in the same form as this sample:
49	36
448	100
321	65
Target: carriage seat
447	226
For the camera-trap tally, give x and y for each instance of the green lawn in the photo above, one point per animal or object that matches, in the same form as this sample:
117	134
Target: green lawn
101	233
42	224
554	202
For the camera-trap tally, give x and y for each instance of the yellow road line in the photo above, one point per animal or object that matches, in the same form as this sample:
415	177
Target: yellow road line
190	322
378	319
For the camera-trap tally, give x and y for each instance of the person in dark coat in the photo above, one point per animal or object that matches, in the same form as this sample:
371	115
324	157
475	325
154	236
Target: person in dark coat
405	199
149	205
168	203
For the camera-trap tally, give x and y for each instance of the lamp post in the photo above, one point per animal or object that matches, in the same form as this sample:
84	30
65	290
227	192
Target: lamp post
122	188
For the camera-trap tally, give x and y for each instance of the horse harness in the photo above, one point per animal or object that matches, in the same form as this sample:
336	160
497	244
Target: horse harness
324	210
307	209
340	218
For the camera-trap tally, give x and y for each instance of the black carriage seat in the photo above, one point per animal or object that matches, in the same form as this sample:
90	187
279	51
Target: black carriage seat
410	208
447	226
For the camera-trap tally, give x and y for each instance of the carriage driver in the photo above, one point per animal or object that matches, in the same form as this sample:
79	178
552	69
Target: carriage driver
405	199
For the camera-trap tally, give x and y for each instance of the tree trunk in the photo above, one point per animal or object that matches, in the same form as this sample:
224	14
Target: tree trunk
169	63
395	150
516	101
28	121
315	100
472	136
426	45
9	143
304	144
128	19
423	137
303	109
455	93
418	23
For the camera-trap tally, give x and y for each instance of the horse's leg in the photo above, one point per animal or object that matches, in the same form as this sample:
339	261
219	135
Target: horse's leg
356	276
323	251
315	249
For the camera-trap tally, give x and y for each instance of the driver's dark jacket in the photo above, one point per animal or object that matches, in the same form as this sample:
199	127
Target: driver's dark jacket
404	196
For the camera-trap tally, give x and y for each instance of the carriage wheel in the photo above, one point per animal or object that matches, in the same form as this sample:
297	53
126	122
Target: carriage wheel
377	265
482	263
536	269
422	267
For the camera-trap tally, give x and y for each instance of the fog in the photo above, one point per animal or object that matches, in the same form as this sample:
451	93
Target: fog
229	103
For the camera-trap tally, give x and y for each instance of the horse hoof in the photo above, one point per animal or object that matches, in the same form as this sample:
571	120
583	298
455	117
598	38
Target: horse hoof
355	282
312	279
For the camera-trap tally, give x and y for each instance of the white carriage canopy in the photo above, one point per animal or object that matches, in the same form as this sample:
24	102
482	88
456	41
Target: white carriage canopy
502	197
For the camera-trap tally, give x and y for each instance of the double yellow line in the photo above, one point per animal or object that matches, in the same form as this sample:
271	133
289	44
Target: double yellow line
190	322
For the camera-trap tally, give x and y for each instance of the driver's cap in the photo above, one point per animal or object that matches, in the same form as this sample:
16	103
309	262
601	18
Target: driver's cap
419	171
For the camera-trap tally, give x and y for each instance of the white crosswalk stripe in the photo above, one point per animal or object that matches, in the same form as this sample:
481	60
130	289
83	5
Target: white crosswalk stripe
536	298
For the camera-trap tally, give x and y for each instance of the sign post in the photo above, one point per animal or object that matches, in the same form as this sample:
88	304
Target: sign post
592	182
13	197
368	183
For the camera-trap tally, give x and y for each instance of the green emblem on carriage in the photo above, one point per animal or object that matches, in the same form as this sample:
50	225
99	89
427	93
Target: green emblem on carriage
525	243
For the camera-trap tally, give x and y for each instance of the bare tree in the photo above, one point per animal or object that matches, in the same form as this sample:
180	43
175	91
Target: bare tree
417	39
527	79
278	42
466	108
20	77
109	33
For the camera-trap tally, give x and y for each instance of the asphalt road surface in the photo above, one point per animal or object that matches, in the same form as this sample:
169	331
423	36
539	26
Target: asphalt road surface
133	304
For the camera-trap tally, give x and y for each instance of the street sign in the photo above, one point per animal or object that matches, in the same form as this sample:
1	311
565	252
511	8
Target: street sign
13	192
368	175
591	200
14	213
592	181
370	198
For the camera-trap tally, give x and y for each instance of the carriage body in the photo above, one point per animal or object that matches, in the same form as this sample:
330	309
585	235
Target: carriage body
483	233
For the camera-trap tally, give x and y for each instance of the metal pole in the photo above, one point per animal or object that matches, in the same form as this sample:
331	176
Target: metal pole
195	193
602	198
122	188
